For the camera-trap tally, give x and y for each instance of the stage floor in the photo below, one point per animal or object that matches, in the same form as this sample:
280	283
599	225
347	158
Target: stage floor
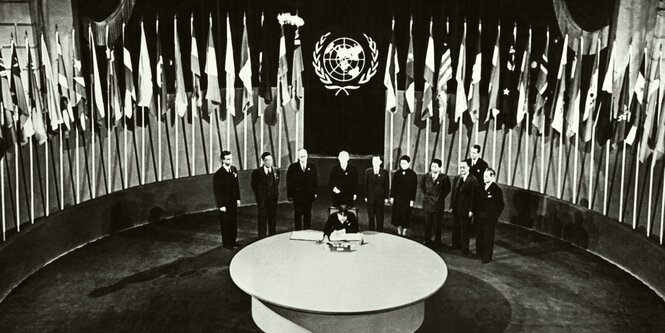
173	276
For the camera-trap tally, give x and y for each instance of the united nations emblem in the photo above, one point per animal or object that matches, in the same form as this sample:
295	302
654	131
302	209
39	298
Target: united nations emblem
342	65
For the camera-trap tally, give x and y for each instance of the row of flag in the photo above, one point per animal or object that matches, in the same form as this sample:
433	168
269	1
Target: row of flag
636	119
63	103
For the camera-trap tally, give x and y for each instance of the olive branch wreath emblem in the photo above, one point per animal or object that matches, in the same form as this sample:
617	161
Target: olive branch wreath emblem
325	77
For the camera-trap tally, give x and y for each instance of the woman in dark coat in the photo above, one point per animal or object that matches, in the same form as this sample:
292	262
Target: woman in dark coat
403	195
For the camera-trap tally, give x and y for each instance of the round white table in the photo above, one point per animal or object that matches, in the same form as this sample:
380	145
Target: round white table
301	286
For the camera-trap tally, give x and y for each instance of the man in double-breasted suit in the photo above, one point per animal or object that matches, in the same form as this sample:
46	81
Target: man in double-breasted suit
376	190
343	182
489	207
301	182
435	187
463	204
477	165
227	197
265	183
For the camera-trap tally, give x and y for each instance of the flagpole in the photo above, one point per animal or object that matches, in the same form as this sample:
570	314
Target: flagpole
2	187
623	175
77	198
607	170
494	141
542	160
194	108
408	116
143	145
635	189
18	208
526	152
590	189
108	116
30	143
160	63
124	108
211	114
92	121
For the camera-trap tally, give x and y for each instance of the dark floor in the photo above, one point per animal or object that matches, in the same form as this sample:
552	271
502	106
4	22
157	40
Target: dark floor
173	276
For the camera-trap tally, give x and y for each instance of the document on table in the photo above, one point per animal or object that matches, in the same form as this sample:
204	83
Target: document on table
343	236
307	235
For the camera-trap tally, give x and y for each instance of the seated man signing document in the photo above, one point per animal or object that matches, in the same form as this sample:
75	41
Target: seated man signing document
341	222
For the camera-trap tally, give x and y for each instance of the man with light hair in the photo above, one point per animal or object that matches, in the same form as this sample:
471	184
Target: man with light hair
301	183
343	181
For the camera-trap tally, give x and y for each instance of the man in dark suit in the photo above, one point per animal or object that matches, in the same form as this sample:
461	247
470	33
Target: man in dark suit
301	182
376	189
265	183
463	203
341	219
343	181
490	206
435	187
477	165
227	197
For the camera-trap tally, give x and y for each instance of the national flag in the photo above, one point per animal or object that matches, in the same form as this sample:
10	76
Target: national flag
428	76
508	94
63	84
460	95
7	135
542	92
653	108
265	90
180	91
590	107
130	92
476	73
624	106
160	75
493	88
445	75
245	73
35	98
605	105
230	70
145	93
282	73
25	129
573	114
523	85
212	93
637	104
560	90
410	90
297	87
114	90
390	77
96	80
195	67
79	90
51	103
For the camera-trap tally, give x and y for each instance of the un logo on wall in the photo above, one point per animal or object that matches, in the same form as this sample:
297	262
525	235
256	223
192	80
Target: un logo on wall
342	63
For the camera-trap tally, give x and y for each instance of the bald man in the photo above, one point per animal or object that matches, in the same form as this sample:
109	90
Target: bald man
343	182
301	182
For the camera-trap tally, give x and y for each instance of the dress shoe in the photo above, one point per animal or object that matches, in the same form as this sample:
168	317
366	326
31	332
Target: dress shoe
486	261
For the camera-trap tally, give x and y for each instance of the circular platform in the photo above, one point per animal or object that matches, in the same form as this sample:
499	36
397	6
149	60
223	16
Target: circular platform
384	283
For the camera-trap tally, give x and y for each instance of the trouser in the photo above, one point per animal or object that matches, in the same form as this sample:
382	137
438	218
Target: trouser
375	215
485	229
302	214
433	221
267	216
228	224
461	232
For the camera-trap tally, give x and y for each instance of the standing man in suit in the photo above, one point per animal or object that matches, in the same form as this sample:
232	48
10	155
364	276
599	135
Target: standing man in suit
403	195
376	189
301	185
435	186
265	183
463	204
227	197
490	206
343	182
476	164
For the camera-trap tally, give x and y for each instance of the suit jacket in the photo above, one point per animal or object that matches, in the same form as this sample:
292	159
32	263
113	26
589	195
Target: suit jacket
265	186
435	192
478	169
226	188
301	185
404	185
345	180
464	195
332	224
490	203
375	188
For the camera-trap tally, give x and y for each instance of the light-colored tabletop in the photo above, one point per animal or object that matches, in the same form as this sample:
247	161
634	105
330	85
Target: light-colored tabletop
388	272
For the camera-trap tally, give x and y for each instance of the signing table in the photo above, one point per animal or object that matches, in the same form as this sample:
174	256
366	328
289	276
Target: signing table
302	286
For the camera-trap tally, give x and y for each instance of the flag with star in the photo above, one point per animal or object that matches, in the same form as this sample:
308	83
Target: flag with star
508	93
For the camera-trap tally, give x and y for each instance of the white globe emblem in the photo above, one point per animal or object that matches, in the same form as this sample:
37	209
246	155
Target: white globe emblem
344	59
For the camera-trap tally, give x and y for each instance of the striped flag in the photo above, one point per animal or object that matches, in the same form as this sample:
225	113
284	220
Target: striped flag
297	88
180	92
476	73
428	75
130	92
445	75
542	92
573	115
410	92
63	84
653	109
212	93
283	72
557	119
145	93
523	84
195	67
390	77
590	107
493	89
245	73
52	104
230	70
637	104
460	96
